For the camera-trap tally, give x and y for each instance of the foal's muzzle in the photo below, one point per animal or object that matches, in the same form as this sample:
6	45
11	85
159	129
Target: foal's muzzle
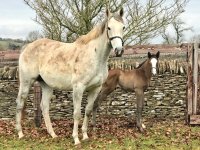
154	71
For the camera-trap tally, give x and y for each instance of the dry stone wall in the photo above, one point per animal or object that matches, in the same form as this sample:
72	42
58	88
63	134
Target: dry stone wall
166	96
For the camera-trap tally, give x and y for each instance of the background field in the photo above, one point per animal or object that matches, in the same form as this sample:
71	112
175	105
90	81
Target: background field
6	44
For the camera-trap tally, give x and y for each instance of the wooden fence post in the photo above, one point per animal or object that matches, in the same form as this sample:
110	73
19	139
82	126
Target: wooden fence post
195	77
193	101
37	100
189	82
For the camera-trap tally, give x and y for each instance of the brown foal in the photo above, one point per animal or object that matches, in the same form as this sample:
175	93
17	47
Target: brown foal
133	80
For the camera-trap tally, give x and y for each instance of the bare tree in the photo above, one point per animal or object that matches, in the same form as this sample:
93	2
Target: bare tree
179	29
33	35
145	21
65	20
168	39
195	38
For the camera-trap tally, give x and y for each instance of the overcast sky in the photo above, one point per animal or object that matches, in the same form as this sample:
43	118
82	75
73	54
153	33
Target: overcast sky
16	19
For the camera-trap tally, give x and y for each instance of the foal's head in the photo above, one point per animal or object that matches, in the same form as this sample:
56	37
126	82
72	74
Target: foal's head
153	58
115	28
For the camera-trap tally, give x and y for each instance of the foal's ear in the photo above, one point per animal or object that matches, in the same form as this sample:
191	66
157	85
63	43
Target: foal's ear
149	55
121	12
158	54
108	12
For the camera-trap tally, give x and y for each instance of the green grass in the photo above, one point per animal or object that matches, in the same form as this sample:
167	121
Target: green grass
108	143
162	135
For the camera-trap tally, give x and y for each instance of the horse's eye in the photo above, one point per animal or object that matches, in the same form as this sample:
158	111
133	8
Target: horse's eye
123	28
109	28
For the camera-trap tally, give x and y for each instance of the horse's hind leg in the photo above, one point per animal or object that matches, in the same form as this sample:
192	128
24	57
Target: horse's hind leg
22	95
47	93
92	95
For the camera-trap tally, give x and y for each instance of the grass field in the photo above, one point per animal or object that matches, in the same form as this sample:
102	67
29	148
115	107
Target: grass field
4	44
111	134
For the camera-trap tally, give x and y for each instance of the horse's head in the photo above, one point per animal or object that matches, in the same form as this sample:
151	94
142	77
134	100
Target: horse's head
115	28
154	60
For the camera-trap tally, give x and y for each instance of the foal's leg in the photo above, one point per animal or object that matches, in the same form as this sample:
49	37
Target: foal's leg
105	91
22	95
47	93
140	102
78	90
91	98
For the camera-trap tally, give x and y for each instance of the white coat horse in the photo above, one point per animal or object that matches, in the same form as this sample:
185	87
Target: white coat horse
77	66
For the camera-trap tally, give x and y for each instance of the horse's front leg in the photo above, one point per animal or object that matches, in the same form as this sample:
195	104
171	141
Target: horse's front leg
78	90
140	102
92	95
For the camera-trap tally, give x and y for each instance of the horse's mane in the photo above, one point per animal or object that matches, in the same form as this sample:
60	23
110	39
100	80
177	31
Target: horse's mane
97	30
93	34
140	65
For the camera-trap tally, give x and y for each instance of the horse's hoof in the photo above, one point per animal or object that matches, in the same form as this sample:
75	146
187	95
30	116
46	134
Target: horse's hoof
54	136
77	141
85	139
141	130
21	135
143	126
78	146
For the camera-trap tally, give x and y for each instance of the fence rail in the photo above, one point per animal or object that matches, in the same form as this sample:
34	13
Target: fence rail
172	65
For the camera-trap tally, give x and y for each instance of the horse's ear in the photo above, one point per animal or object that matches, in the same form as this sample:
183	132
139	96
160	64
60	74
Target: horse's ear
158	54
121	12
149	55
107	12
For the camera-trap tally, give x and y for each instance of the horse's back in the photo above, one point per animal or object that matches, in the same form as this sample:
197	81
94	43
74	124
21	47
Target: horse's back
130	79
57	63
42	49
34	54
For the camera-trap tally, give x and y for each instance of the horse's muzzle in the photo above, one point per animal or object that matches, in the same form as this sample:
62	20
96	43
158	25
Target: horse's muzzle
119	51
